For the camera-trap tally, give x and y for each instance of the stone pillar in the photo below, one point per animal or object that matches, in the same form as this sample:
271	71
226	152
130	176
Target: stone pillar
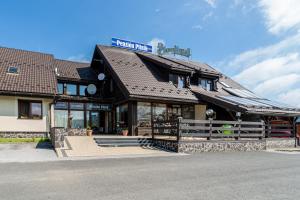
52	115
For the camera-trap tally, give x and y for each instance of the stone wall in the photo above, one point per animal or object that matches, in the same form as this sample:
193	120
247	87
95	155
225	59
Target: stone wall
13	134
221	146
57	135
276	143
169	145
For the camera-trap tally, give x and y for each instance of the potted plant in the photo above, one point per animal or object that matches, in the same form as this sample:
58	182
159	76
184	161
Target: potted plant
125	131
89	131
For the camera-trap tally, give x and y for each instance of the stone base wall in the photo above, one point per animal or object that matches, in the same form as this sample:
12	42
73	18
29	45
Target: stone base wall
168	145
276	143
24	134
57	135
221	146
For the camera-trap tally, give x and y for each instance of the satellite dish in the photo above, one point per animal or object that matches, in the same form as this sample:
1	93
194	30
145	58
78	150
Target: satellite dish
91	89
101	77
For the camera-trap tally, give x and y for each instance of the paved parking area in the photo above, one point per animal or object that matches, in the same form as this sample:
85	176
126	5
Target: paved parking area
27	152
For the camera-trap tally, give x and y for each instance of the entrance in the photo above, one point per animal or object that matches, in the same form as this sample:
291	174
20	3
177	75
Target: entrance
99	121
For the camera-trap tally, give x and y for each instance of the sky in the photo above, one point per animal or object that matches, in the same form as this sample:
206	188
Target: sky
256	42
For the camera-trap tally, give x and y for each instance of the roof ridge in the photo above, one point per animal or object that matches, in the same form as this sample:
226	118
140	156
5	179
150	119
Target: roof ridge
29	51
78	62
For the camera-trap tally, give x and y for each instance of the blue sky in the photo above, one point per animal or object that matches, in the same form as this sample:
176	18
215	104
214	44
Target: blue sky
256	42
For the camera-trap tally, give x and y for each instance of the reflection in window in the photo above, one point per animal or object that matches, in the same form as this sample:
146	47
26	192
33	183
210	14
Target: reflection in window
71	89
188	112
159	111
30	109
76	119
61	118
174	111
205	84
177	80
82	89
60	88
122	115
144	114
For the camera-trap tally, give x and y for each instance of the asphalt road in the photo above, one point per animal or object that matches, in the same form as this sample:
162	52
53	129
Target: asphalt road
253	175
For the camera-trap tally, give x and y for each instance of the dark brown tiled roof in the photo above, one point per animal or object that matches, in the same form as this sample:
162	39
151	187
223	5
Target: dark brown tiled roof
35	72
140	79
75	70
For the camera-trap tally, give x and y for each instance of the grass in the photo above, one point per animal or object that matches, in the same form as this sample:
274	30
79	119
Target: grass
23	140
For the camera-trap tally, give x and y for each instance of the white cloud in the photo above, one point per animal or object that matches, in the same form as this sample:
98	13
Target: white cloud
154	42
212	3
198	26
79	58
157	10
292	97
281	15
208	15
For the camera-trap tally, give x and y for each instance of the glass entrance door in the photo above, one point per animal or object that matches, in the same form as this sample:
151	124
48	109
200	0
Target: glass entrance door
93	121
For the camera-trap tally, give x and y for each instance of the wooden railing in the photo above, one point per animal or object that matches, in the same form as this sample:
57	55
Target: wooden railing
209	129
280	130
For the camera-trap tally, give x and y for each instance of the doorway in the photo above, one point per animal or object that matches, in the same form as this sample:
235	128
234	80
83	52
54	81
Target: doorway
99	121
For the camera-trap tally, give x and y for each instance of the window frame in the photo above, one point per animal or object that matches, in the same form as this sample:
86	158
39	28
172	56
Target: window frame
66	89
206	83
30	102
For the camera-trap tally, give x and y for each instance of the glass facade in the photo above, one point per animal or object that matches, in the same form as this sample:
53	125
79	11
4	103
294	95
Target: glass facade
76	119
144	114
122	115
61	118
71	89
60	88
82	90
159	111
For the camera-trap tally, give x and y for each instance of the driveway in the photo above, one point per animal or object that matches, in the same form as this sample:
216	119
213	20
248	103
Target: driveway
27	152
208	176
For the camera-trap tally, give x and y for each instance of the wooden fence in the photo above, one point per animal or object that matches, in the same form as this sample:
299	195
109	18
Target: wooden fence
280	130
210	129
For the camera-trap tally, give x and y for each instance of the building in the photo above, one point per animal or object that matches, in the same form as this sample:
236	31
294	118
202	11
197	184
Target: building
39	92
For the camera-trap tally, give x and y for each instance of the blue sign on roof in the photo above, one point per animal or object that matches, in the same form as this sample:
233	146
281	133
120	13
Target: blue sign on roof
131	45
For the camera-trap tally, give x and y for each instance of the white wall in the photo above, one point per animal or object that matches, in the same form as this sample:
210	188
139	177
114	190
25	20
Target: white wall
9	116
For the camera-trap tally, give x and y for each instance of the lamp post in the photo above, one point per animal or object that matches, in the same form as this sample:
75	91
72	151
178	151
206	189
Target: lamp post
210	113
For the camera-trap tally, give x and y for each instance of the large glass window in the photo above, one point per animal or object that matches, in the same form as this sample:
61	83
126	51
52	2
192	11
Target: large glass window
71	89
188	112
122	115
174	111
159	111
205	84
61	118
60	88
82	90
76	119
177	80
144	114
30	109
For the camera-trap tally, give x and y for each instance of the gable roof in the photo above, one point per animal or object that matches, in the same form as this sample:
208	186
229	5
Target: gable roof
140	79
35	72
75	70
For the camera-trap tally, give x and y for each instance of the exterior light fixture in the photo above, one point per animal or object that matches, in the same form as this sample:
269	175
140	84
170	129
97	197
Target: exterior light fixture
210	113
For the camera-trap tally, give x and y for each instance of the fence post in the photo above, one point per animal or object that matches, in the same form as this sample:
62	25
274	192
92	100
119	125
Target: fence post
269	128
239	130
179	119
210	128
152	128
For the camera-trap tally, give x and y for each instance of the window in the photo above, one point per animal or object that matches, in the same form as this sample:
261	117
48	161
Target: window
60	88
188	112
71	89
12	70
174	111
144	114
159	111
177	80
82	90
205	84
122	115
76	119
30	109
61	118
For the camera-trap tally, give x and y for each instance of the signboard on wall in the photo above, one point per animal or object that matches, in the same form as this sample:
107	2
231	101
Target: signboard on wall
131	45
